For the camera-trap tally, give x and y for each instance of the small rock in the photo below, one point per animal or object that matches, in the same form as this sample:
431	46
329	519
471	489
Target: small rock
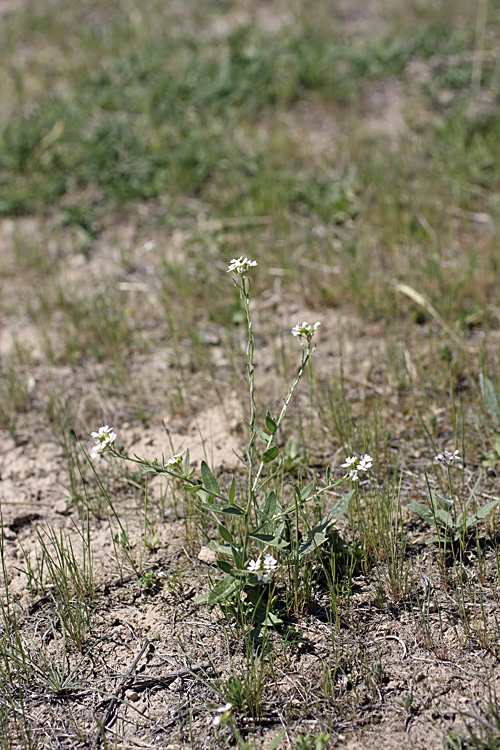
63	508
8	534
131	695
176	686
207	555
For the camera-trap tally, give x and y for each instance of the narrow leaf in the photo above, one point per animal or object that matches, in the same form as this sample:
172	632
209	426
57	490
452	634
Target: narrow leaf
262	435
231	510
232	491
222	549
341	507
270	540
277	741
481	514
270	454
226	510
445	518
305	492
225	534
268	506
491	397
209	481
225	567
271	424
423	511
223	590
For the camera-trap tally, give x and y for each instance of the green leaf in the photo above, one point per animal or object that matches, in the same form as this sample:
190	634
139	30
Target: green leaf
341	507
271	424
232	510
291	449
225	567
238	558
268	506
496	443
225	534
442	501
445	518
277	741
209	481
186	463
232	491
423	511
262	435
271	620
222	549
270	454
491	397
305	492
481	514
153	470
317	535
205	497
223	590
191	487
226	510
270	540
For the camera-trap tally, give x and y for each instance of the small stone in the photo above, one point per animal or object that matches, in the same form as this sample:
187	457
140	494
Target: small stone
207	555
132	696
62	508
176	686
8	534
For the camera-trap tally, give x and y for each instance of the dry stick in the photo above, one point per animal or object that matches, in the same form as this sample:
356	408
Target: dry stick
423	302
149	681
117	693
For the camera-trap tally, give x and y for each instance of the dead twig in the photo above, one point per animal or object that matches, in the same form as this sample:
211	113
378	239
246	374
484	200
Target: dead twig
149	681
116	697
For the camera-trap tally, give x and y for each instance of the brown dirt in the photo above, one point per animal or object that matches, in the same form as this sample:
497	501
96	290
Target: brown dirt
383	651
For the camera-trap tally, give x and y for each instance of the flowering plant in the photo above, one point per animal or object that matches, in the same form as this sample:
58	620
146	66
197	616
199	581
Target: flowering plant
447	513
258	535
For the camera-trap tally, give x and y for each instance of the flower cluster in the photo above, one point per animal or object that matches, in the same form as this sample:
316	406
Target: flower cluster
240	265
263	568
222	714
356	464
446	458
305	331
104	439
174	462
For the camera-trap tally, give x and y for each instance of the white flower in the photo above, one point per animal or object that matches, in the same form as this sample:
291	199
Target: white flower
446	458
103	440
350	460
254	565
263	569
240	265
270	564
356	464
174	461
222	714
305	331
365	463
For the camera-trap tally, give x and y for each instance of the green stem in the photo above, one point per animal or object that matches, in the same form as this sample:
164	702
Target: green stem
305	358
